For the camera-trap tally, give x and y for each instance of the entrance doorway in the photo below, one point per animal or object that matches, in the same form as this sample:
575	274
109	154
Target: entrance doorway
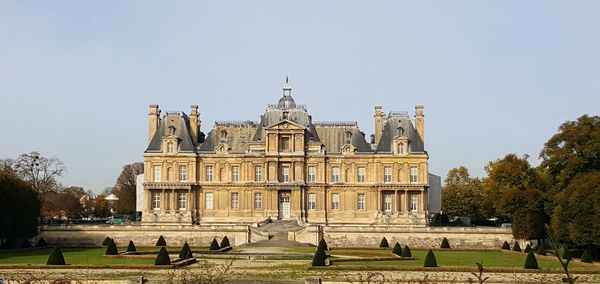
284	205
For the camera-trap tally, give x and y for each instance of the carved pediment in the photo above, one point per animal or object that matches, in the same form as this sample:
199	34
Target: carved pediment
222	149
286	124
348	149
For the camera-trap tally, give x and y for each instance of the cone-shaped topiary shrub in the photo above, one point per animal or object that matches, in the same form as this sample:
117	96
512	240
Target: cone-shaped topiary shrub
430	260
516	247
406	252
323	245
214	245
56	257
384	243
445	244
505	245
106	241
185	251
26	244
586	256
527	248
111	249
225	242
530	261
161	242
41	243
566	253
131	247
541	249
397	250
319	257
162	258
189	254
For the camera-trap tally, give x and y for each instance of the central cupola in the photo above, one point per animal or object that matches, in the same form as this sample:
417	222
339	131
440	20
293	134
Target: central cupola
286	101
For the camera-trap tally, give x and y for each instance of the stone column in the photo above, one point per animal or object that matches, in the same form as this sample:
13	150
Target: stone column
163	202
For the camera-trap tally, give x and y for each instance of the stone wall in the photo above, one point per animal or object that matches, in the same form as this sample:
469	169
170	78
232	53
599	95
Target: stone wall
142	235
430	237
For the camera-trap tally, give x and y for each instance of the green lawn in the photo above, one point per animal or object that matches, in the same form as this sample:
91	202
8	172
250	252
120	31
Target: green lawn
81	256
449	258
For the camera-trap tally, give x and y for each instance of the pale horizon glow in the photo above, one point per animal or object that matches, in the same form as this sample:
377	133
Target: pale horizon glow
76	77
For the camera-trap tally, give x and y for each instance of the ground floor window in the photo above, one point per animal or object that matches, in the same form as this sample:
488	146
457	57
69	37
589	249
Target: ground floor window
414	199
209	200
312	201
156	201
335	201
387	202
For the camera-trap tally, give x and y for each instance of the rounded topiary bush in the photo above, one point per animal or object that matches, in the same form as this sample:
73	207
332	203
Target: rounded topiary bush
406	252
106	241
56	257
225	242
516	247
530	261
505	245
214	245
430	260
26	244
111	249
384	243
41	243
445	244
161	242
397	250
186	252
527	248
131	247
323	244
319	257
586	256
162	258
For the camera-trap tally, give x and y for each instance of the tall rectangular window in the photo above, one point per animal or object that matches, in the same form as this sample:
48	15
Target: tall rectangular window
209	173
181	200
387	174
361	201
235	173
312	174
335	201
284	143
414	172
156	171
209	200
414	199
170	147
235	200
312	201
387	202
156	201
182	173
400	148
361	174
335	174
285	174
257	200
257	173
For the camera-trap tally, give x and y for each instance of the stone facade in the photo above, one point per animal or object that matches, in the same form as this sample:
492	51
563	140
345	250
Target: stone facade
285	167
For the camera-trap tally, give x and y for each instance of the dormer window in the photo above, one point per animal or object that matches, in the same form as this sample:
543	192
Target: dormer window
400	148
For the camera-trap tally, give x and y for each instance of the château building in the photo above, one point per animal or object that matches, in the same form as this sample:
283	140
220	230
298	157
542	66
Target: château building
285	166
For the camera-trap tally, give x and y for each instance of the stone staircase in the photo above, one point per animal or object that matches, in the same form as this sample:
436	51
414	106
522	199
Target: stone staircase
277	231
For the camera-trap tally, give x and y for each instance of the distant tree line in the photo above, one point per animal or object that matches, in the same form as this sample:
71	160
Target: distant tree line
562	194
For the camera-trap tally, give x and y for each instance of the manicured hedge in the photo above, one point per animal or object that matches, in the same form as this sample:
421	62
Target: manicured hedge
384	243
505	245
41	243
214	245
445	244
131	247
530	261
430	260
56	257
161	242
319	257
406	252
162	258
225	242
106	241
111	249
186	252
527	248
323	245
397	250
516	247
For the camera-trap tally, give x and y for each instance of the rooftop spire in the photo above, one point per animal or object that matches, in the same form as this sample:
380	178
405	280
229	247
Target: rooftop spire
287	89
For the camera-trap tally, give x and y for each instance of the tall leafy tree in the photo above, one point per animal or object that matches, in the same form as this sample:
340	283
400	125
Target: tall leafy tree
517	192
19	208
125	187
462	194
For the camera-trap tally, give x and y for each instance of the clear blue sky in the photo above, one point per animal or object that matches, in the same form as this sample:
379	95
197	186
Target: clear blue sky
76	77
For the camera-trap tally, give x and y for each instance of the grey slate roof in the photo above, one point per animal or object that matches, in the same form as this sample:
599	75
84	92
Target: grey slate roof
333	136
181	132
391	130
